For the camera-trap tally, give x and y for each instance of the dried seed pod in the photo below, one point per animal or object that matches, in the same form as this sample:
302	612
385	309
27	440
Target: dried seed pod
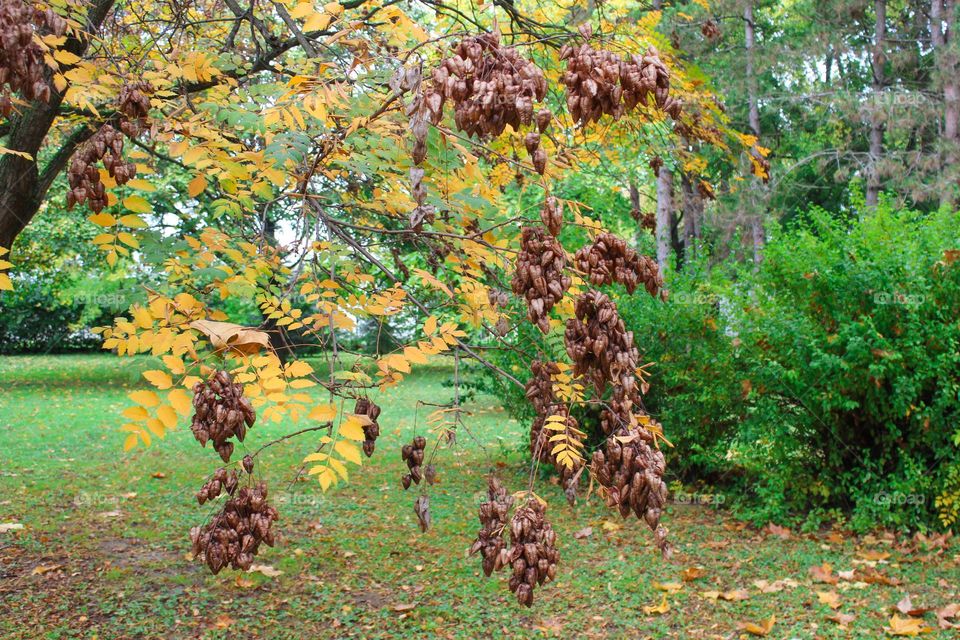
609	260
422	508
220	413
22	66
221	481
493	518
371	432
592	79
539	275
551	214
710	30
598	343
533	553
413	454
233	536
490	87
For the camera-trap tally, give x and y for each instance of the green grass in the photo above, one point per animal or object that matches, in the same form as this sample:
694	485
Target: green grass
350	558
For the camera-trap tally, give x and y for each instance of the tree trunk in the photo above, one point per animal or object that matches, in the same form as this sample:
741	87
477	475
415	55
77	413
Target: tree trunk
664	210
876	117
692	213
756	213
942	24
22	185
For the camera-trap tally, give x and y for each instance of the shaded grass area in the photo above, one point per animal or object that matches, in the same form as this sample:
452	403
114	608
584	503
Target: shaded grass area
104	546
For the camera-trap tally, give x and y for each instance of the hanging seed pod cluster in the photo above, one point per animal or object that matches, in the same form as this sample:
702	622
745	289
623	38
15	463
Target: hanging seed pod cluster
107	145
539	275
533	551
631	469
222	481
610	260
494	514
539	391
600	82
532	554
490	87
413	455
234	534
220	413
22	67
371	432
599	344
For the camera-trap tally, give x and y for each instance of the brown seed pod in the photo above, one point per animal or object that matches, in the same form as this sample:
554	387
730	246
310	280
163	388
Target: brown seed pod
592	80
22	66
630	469
533	553
413	454
371	432
539	275
494	514
610	260
421	507
220	413
233	536
599	345
221	481
551	214
490	86
710	30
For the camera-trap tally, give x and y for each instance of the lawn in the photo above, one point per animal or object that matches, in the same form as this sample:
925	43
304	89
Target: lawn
103	547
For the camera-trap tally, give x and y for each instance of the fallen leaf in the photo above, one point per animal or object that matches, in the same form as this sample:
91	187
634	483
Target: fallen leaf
829	598
775	530
692	573
223	621
158	475
729	596
946	614
243	583
663	607
874	556
265	569
907	626
10	526
872	576
842	619
611	525
109	514
823	573
847	575
401	608
669	587
765	586
761	629
586	532
41	569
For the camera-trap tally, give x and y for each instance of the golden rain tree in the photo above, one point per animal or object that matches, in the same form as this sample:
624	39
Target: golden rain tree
388	140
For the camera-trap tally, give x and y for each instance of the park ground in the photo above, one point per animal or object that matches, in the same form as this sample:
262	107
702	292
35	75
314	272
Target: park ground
94	541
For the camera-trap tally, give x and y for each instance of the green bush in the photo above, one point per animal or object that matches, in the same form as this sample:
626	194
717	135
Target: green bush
821	385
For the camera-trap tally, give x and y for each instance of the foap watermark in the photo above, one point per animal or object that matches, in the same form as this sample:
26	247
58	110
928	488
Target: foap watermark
895	297
898	498
693	297
683	497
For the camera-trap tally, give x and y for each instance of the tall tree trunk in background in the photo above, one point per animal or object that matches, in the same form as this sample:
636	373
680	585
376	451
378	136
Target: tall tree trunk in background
942	24
664	210
756	214
23	185
692	213
876	113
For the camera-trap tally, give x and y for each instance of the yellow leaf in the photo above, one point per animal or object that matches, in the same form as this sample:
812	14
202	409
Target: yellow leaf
130	442
102	219
137	204
128	239
5	283
352	429
430	326
65	57
167	416
135	413
196	186
323	413
180	400
159	379
145	398
761	629
348	451
663	607
141	185
299	369
907	626
132	220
